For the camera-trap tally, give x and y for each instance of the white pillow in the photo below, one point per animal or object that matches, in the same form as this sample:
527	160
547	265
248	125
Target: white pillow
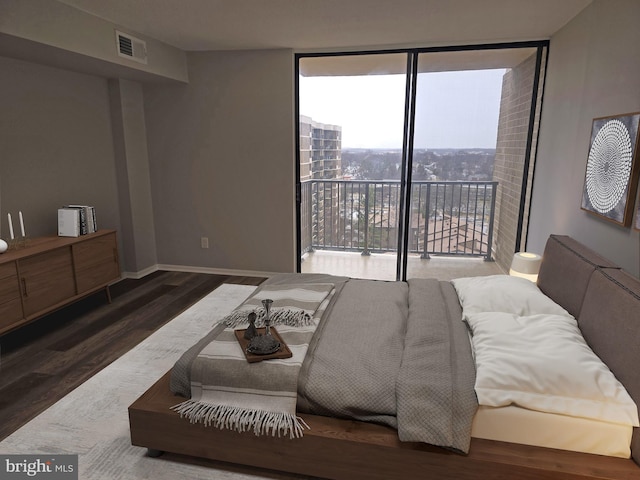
503	293
542	362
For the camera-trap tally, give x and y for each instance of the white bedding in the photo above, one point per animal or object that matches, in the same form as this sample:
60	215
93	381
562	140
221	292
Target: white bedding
529	352
528	427
503	293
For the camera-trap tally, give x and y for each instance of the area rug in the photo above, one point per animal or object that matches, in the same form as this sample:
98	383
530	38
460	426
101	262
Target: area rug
92	421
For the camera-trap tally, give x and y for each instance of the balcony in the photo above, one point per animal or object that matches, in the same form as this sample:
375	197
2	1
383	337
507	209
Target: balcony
448	220
382	266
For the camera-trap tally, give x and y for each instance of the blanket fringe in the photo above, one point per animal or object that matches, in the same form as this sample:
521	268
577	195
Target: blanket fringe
278	316
228	417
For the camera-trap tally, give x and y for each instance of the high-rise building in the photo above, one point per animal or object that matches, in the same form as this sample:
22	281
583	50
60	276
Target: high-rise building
320	159
320	150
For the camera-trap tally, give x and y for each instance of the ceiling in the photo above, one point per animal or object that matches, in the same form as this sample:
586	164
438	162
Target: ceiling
314	25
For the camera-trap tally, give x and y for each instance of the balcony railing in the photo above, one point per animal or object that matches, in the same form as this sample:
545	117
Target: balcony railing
446	218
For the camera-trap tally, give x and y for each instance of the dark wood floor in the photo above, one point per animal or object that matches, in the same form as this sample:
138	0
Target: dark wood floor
43	361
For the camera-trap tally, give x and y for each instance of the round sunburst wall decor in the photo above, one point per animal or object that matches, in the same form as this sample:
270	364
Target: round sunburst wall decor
609	166
611	175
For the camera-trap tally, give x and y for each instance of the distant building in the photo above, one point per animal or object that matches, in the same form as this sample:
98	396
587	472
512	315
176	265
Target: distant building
320	150
321	159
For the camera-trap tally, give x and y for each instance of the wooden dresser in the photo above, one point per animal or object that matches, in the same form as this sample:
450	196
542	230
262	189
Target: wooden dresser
51	272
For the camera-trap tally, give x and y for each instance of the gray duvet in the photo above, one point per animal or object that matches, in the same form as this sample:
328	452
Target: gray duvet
395	353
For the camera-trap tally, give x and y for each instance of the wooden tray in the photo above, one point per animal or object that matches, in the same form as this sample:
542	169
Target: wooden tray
283	351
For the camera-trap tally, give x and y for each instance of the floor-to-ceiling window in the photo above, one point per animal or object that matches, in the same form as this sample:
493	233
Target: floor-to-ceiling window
352	111
408	155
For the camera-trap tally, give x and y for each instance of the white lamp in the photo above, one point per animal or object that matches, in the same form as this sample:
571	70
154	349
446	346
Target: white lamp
526	265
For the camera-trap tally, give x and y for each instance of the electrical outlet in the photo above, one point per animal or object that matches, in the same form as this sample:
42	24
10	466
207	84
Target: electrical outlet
204	242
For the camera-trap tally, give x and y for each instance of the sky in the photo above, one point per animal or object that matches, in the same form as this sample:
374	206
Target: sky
453	109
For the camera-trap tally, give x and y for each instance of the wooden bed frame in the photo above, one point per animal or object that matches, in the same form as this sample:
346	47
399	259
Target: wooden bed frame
350	450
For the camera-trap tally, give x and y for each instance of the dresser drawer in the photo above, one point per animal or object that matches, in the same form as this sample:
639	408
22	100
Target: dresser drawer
96	262
7	270
46	280
10	303
9	289
10	313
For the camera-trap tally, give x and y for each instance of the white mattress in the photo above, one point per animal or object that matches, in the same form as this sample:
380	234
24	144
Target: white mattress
519	425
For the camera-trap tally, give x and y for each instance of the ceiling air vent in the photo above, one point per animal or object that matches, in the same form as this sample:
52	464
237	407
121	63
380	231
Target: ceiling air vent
131	47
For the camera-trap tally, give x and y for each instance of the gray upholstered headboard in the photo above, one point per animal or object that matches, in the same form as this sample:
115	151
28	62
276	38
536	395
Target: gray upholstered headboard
566	268
606	302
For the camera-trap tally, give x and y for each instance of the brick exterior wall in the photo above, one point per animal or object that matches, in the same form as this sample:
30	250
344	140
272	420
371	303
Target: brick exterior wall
513	125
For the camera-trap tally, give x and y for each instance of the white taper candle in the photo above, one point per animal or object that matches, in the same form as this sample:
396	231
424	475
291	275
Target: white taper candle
21	224
10	226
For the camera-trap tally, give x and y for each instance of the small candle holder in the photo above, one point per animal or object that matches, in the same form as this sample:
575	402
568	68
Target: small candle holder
267	319
264	344
18	243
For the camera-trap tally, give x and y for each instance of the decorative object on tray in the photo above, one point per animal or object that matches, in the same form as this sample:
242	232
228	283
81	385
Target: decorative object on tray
3	246
266	303
282	351
612	170
262	344
251	331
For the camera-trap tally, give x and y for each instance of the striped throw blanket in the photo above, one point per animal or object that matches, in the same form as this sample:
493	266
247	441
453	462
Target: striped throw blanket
229	393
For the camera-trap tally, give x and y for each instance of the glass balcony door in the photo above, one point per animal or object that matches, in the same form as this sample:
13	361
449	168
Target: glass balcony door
410	155
351	164
452	198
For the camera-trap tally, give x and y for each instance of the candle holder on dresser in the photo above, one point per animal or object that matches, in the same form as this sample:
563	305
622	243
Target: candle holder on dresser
18	243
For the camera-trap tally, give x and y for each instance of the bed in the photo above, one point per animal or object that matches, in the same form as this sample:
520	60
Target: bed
358	443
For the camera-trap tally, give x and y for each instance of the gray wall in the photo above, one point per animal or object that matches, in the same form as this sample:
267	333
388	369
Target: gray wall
593	71
132	169
56	146
70	136
56	34
221	153
217	159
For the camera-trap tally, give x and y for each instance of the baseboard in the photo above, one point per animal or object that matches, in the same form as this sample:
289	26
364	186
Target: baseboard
215	271
191	269
141	273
